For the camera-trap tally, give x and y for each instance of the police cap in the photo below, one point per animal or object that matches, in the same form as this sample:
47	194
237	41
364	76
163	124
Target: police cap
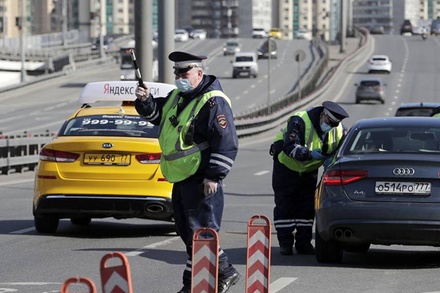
183	62
334	112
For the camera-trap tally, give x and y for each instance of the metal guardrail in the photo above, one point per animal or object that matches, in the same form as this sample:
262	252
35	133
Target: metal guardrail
20	153
258	121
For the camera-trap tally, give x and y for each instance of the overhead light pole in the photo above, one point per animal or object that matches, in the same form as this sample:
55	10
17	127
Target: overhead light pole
269	65
21	25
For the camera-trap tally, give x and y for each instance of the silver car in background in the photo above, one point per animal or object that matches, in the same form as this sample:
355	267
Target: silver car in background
370	89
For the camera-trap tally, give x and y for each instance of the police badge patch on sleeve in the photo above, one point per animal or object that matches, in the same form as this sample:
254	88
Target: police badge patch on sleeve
221	120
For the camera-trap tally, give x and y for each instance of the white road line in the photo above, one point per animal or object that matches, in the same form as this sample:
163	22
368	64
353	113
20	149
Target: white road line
16	181
261	173
138	252
22	231
280	284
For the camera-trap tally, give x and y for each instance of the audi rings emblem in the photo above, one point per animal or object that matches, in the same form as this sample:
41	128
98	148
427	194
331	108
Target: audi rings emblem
404	171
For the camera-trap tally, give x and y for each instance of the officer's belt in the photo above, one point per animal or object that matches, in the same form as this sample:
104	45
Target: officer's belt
180	154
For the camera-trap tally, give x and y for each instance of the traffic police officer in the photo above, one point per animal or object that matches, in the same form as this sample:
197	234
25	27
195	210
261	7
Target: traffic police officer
199	144
310	139
436	112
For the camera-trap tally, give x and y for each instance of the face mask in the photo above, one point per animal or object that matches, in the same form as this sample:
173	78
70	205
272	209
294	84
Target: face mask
183	85
325	128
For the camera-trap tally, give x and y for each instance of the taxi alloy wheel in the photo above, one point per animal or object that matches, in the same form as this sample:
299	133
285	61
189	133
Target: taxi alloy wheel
46	224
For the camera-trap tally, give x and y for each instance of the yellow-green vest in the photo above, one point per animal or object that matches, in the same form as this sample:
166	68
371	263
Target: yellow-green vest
312	141
180	160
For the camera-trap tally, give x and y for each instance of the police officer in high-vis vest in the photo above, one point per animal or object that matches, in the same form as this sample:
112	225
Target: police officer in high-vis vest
199	144
309	140
436	112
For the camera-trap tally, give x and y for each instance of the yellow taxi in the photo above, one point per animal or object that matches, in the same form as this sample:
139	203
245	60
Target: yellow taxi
104	162
276	33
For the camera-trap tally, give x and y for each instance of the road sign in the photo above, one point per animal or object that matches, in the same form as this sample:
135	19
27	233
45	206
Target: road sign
115	279
205	261
258	255
78	280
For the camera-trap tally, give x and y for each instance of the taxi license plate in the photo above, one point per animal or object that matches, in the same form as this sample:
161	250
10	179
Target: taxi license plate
107	159
383	187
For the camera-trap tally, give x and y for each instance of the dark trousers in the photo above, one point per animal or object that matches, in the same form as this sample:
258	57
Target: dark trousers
294	204
193	210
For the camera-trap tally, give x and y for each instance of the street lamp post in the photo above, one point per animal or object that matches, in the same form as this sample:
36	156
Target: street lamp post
269	58
21	24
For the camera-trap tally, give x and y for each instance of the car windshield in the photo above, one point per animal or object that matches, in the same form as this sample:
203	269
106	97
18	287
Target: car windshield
244	59
397	139
109	125
232	44
370	83
379	59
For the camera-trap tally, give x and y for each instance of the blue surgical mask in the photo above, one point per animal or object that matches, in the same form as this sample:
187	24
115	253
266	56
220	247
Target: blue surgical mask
183	85
325	128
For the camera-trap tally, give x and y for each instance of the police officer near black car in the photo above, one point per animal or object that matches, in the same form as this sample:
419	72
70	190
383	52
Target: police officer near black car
307	142
199	145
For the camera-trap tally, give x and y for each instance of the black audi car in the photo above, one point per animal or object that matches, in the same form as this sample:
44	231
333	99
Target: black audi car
382	188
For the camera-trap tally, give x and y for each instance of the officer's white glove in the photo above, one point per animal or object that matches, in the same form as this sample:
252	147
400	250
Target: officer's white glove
142	93
209	187
316	154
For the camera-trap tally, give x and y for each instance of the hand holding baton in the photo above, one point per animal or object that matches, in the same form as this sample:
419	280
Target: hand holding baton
137	71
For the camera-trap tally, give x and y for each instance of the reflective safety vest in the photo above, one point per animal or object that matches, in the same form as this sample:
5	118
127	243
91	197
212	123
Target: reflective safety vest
180	155
312	141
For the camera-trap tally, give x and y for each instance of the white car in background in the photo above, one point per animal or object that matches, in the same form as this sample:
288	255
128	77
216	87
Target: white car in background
198	34
181	35
379	63
303	34
259	33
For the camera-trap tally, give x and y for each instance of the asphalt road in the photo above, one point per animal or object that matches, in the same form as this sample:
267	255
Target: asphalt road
33	263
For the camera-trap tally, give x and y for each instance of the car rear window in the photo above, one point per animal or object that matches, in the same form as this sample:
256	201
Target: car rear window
415	112
394	140
379	59
370	83
109	125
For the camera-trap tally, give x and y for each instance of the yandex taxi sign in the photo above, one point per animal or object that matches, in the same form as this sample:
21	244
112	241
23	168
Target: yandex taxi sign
120	91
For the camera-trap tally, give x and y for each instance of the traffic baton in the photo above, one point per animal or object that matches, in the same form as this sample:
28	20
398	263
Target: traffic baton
205	261
258	255
78	280
136	69
116	279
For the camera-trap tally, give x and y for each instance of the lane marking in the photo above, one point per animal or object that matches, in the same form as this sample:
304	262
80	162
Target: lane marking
16	181
280	284
22	231
261	173
139	251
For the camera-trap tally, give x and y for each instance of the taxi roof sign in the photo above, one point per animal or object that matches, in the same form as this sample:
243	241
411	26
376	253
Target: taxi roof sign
105	91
